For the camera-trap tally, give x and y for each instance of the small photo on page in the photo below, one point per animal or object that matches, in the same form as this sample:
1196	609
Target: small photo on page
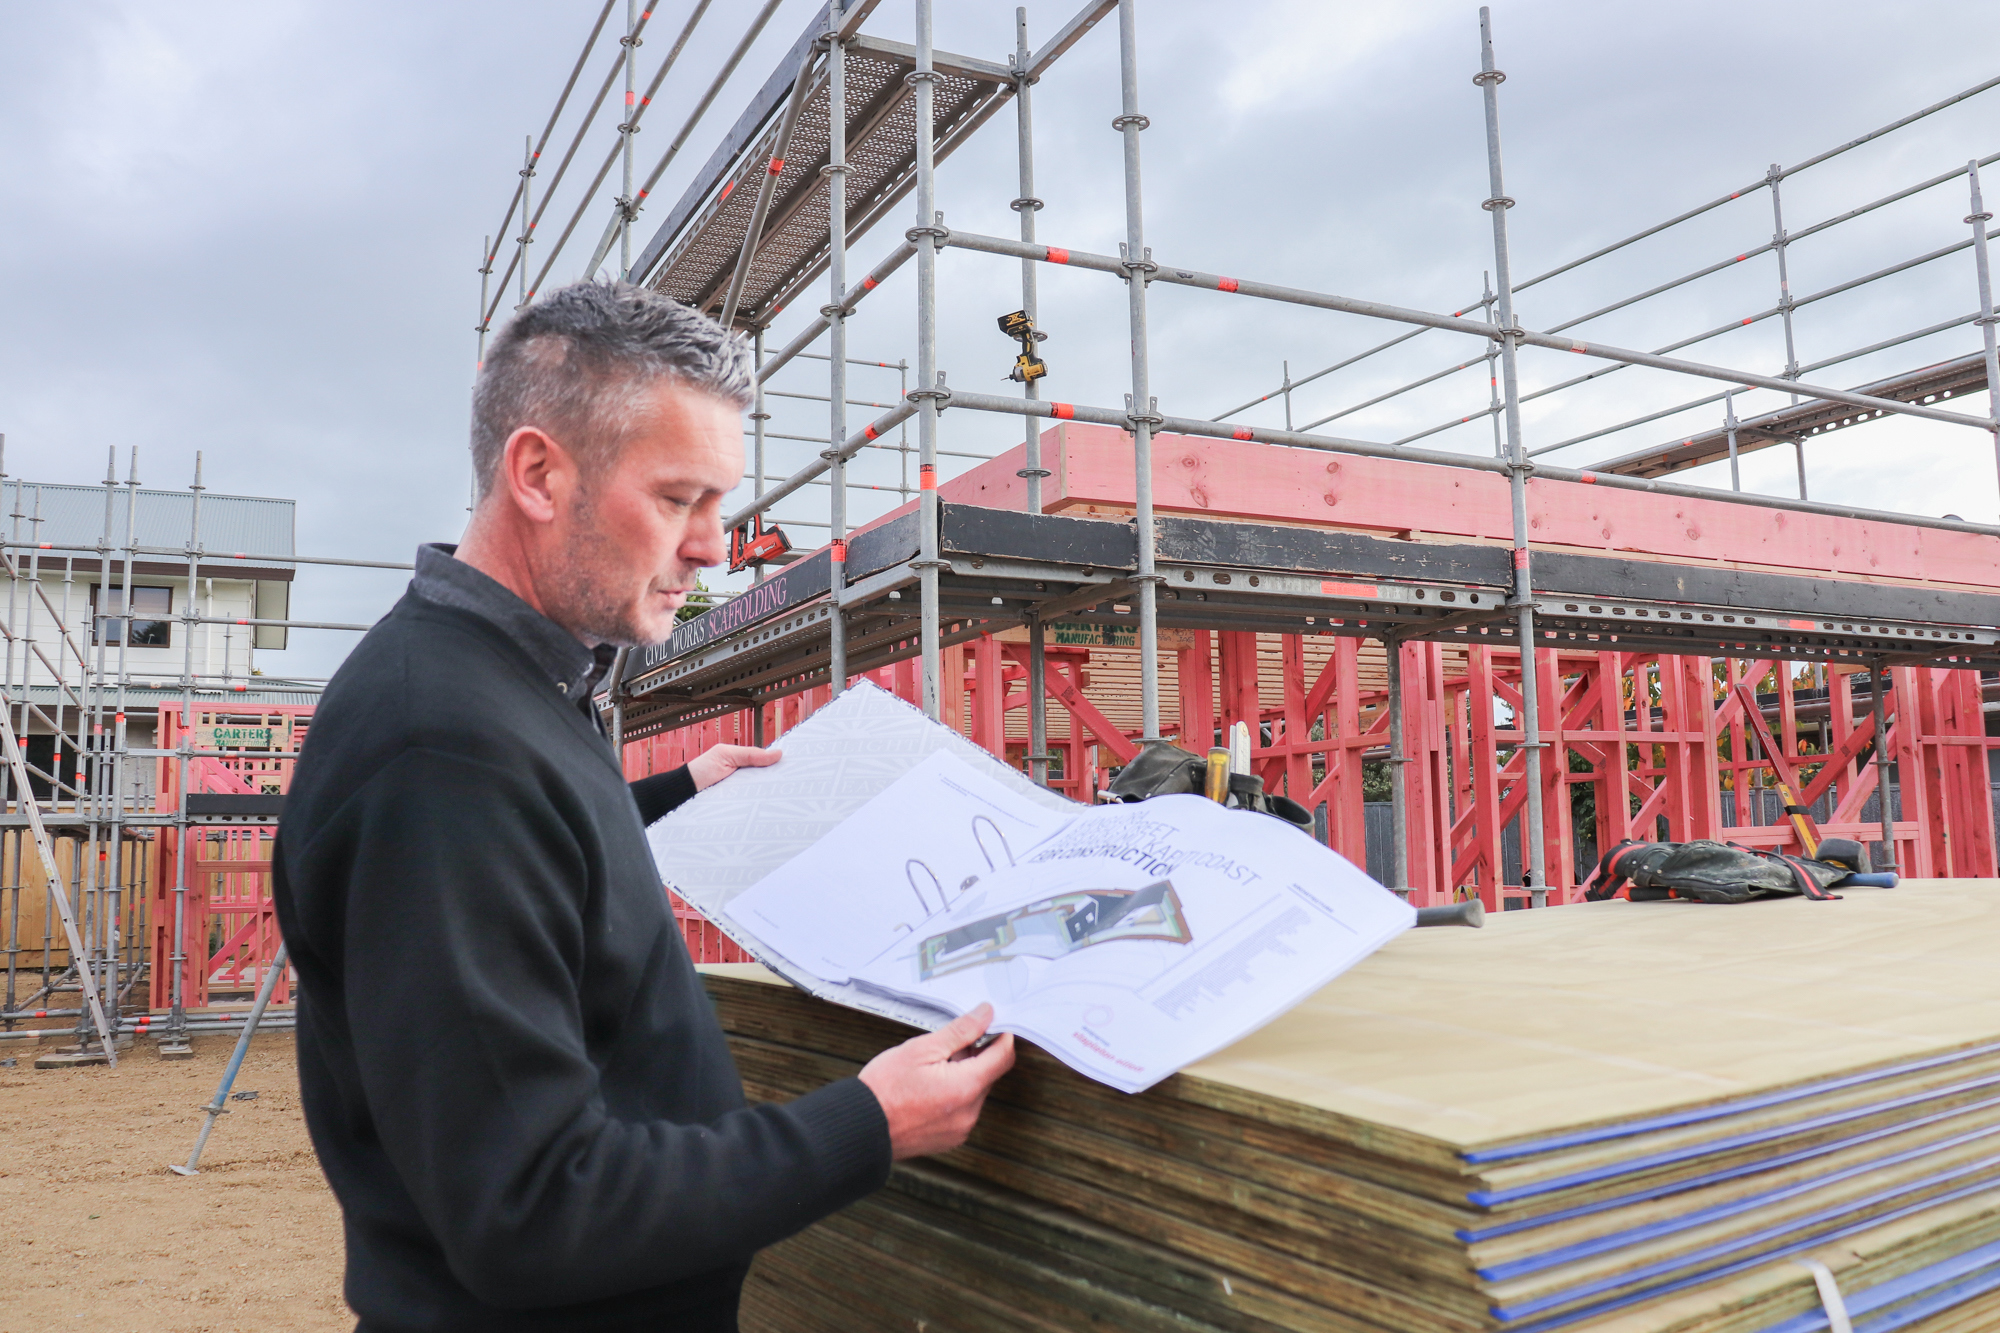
1056	927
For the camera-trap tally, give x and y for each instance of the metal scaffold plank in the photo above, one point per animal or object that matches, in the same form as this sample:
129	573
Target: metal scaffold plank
1947	379
696	251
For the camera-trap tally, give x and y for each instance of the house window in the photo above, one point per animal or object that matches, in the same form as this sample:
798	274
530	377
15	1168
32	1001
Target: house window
151	609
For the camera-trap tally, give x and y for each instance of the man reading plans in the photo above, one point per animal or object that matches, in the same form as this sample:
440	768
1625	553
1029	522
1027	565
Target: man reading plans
512	1076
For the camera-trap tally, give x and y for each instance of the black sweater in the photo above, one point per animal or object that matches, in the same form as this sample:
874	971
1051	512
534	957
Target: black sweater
513	1078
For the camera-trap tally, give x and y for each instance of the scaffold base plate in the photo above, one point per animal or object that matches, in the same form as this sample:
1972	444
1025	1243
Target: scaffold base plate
73	1057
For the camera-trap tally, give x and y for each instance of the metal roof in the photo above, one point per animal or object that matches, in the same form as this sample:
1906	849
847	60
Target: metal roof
73	519
146	698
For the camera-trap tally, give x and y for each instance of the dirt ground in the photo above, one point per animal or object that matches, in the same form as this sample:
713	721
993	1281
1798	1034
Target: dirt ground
95	1231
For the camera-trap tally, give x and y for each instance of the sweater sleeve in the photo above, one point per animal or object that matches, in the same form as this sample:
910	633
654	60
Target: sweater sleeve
663	793
464	954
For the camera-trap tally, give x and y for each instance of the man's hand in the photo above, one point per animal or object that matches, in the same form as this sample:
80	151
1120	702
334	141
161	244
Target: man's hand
719	761
932	1087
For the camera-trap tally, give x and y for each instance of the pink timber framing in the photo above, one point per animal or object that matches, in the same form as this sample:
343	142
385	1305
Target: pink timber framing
1641	744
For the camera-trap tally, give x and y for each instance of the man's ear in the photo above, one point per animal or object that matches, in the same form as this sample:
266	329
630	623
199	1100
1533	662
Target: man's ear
537	474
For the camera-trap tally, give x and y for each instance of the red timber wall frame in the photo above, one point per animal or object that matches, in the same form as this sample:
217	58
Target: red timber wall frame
231	925
1660	738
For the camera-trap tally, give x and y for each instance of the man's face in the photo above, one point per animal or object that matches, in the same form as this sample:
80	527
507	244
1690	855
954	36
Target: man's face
632	535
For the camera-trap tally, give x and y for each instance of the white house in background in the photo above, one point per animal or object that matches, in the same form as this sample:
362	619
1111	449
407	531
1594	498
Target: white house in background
65	598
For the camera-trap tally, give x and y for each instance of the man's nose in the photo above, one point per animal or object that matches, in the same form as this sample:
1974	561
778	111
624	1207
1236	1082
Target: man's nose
705	543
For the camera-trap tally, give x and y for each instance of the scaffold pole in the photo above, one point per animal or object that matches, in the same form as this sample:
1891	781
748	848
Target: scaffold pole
1979	217
835	315
1026	205
1141	410
1532	850
925	236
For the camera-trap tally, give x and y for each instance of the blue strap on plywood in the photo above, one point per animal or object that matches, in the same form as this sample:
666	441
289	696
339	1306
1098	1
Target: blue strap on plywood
1507	1317
1692	1152
1619	1240
1473	1235
1701	1114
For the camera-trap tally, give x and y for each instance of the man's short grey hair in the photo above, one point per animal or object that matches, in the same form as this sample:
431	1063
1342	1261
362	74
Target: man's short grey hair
576	363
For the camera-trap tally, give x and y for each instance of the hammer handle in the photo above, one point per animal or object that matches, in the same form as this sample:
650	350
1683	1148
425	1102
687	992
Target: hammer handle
1472	913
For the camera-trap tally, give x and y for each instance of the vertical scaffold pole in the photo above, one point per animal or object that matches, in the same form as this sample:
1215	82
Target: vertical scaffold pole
925	237
1878	685
1489	79
176	1041
1399	806
11	867
527	228
1779	241
1729	424
101	924
1979	218
1492	372
835	312
1032	471
485	279
759	414
630	41
120	737
1140	412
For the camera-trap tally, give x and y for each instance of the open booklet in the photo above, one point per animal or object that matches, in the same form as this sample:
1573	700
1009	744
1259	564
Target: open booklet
1126	940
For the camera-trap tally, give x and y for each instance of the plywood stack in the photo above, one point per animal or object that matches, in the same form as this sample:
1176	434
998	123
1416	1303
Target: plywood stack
1606	1117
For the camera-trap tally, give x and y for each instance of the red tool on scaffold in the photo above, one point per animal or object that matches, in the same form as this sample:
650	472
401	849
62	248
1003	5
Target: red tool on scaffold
753	544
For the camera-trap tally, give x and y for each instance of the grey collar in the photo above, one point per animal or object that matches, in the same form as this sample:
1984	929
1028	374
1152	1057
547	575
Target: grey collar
560	655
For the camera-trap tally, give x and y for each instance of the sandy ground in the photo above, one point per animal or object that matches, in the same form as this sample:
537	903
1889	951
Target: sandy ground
96	1233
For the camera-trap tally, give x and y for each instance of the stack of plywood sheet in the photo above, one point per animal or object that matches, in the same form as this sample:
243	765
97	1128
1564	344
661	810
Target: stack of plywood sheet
1615	1116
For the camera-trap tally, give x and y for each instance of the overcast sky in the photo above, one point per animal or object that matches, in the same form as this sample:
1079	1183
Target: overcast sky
253	230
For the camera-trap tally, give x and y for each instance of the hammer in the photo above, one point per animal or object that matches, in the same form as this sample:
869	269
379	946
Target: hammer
1471	912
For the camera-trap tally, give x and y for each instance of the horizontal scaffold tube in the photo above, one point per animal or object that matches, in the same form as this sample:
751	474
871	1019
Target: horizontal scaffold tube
1104	416
1182	277
820	466
278	624
180	552
810	334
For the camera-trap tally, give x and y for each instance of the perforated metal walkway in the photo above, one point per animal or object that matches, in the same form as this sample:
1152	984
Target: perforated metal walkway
1947	379
694	255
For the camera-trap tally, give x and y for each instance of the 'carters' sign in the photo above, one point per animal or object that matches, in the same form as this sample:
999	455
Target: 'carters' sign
238	738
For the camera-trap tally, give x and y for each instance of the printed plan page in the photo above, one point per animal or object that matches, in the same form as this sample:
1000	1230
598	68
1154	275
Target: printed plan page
1127	940
920	846
717	847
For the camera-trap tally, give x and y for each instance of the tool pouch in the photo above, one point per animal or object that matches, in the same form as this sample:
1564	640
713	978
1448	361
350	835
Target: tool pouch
1707	871
1164	769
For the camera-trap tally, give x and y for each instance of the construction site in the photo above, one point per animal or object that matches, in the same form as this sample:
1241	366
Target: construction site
1481	656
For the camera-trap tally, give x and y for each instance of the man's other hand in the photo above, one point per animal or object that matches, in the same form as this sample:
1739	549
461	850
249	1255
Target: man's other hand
932	1087
719	761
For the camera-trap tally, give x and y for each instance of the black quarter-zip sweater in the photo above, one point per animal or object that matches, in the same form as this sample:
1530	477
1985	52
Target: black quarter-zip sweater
513	1078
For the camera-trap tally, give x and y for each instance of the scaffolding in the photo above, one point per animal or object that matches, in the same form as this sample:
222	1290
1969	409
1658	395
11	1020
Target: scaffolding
850	123
156	856
1797	422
